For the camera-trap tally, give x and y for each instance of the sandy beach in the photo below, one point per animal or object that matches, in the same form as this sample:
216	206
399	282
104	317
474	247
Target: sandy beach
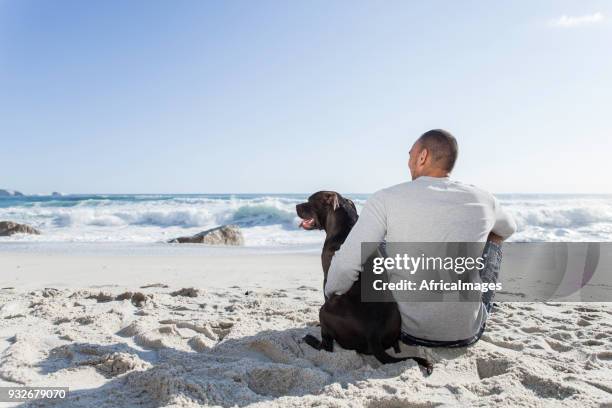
233	338
177	176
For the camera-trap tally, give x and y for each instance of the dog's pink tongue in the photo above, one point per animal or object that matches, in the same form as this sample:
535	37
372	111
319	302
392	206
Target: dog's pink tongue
306	224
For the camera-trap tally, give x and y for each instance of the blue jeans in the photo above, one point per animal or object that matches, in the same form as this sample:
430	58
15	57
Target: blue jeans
492	255
490	273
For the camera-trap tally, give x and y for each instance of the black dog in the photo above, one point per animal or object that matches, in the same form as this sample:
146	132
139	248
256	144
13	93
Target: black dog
368	328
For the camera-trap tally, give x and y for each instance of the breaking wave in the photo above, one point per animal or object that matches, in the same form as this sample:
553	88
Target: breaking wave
566	218
266	220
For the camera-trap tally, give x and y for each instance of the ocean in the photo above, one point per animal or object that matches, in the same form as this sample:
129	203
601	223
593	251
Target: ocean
267	220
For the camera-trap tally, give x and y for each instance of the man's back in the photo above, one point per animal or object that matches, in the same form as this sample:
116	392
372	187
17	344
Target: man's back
431	209
428	209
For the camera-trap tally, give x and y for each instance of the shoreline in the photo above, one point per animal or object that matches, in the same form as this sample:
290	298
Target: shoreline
149	248
29	267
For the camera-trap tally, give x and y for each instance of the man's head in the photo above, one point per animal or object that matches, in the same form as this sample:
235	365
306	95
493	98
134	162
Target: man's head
433	154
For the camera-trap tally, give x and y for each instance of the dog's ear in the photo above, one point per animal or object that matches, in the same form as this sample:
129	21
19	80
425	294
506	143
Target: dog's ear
332	200
350	203
349	207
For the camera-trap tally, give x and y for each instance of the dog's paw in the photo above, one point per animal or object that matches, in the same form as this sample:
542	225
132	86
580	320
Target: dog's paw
428	368
312	341
424	364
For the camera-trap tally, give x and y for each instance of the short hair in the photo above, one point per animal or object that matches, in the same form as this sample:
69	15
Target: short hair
442	146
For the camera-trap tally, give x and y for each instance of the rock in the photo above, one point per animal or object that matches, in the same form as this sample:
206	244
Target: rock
56	194
187	292
10	193
9	228
139	299
124	296
50	292
224	235
102	297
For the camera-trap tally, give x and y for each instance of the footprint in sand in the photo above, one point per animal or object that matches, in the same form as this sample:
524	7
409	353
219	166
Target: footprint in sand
397	401
590	317
562	335
114	364
492	367
605	355
280	380
546	387
558	346
201	343
593	343
583	323
585	309
509	344
531	329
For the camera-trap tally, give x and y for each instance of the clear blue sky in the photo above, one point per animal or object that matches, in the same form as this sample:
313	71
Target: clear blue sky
289	96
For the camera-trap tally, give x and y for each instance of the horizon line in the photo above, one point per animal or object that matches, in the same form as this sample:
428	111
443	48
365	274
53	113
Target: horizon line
269	192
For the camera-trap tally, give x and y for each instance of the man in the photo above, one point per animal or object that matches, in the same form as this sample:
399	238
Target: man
430	208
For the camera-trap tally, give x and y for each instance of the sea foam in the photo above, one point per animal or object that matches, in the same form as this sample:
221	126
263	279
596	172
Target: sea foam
266	220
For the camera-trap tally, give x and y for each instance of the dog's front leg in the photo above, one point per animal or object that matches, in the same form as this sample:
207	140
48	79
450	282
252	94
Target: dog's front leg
312	341
328	342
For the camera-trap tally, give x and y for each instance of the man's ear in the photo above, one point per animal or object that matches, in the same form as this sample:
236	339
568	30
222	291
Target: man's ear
423	155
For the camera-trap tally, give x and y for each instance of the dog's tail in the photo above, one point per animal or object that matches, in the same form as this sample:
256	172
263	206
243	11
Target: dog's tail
382	356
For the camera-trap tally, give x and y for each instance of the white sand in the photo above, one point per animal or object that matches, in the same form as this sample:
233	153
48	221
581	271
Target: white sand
238	342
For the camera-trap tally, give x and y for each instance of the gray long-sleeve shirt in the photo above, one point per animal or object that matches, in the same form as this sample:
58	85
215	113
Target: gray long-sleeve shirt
428	209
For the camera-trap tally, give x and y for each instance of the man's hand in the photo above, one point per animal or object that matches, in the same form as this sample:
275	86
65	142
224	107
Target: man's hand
493	237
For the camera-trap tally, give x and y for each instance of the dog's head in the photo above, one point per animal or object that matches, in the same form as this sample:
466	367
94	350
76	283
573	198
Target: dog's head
321	206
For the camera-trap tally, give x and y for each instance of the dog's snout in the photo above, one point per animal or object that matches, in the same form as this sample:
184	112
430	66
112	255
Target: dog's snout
300	209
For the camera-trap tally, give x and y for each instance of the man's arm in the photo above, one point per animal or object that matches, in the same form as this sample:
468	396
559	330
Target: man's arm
346	264
504	223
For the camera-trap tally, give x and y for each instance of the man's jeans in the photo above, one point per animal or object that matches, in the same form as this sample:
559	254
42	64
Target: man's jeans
492	255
